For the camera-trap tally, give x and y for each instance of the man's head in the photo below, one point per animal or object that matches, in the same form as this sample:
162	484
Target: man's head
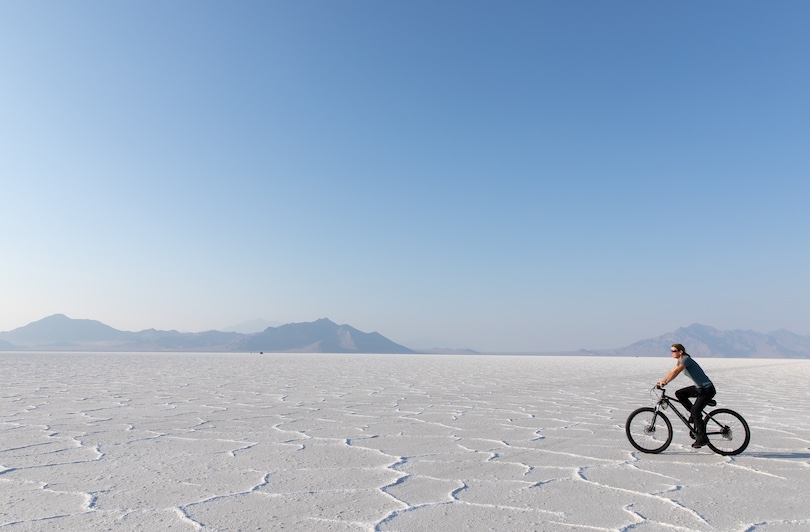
677	350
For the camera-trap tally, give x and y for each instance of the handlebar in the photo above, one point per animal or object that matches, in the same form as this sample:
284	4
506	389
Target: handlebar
658	393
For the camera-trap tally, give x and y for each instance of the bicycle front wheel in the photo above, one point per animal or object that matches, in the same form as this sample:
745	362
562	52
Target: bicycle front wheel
649	431
727	431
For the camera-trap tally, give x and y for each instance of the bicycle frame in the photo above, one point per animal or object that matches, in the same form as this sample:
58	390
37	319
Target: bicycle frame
667	401
728	434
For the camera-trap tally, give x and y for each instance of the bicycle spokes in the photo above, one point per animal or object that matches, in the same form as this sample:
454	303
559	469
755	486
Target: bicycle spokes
648	430
727	431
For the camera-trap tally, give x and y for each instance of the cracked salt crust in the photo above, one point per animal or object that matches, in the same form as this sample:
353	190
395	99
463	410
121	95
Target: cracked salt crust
385	442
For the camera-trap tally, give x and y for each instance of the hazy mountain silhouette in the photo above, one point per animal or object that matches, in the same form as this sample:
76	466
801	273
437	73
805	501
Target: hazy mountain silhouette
6	346
58	332
704	341
154	340
252	326
321	336
61	329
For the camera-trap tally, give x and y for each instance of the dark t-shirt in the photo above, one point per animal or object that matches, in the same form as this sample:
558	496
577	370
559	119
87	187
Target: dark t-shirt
694	372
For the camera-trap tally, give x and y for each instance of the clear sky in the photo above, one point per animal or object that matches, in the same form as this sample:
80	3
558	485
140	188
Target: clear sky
513	176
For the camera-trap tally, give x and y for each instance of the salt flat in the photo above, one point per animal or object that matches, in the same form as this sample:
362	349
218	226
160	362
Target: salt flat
386	442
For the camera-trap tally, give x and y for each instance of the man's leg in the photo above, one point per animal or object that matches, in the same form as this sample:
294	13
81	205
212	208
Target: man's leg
704	395
684	394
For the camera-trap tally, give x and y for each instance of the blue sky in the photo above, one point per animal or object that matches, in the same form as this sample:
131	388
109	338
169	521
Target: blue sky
516	176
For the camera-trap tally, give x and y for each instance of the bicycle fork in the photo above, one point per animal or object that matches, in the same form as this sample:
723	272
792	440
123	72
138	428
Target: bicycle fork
656	413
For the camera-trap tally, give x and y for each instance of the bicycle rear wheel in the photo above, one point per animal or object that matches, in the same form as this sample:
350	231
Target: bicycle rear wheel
649	431
727	431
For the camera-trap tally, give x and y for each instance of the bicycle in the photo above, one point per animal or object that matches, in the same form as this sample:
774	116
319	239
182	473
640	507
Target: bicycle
650	431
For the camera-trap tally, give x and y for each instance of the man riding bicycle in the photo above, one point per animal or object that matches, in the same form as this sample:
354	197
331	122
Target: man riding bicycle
703	390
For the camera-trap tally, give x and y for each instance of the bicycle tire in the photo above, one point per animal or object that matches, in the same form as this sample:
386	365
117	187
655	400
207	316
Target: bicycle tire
727	431
646	433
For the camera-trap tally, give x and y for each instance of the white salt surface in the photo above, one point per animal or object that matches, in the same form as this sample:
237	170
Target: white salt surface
386	442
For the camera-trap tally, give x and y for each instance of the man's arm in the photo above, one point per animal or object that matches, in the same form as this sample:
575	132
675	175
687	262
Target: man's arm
671	375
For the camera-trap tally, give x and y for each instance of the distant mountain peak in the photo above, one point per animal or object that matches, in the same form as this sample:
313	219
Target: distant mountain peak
252	326
323	336
60	328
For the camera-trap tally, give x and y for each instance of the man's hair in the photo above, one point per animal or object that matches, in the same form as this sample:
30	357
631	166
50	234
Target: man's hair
680	347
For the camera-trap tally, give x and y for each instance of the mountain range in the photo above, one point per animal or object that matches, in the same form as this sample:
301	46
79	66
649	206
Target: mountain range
704	341
60	333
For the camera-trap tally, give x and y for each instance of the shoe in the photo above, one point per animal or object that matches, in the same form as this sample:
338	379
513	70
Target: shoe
700	442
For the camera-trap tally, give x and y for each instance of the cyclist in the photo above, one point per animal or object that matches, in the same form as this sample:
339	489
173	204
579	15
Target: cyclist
703	390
